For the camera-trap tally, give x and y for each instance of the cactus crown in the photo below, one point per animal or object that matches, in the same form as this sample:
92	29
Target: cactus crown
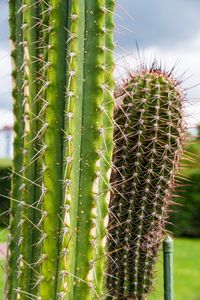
149	136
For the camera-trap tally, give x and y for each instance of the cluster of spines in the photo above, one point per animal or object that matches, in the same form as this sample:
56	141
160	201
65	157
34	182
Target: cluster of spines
148	144
64	134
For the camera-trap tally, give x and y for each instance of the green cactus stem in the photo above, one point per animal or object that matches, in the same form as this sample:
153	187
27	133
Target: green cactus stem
53	156
67	69
105	153
18	110
42	65
29	183
149	139
84	124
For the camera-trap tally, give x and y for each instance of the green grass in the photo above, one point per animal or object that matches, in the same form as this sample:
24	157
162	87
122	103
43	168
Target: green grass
3	239
5	163
186	271
186	266
3	235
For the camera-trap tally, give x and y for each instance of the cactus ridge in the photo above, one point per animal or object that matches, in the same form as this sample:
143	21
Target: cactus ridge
18	111
149	139
105	154
82	156
29	163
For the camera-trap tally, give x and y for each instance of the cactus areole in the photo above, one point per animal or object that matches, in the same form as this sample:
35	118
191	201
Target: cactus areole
149	136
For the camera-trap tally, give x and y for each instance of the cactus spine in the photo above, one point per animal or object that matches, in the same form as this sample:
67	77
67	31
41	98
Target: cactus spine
67	69
148	143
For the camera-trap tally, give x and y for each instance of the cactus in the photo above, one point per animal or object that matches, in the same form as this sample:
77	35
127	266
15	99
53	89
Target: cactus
63	104
105	153
149	138
63	52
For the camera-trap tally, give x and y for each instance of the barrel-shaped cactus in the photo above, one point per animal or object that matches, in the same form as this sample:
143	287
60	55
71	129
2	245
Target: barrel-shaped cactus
63	63
149	136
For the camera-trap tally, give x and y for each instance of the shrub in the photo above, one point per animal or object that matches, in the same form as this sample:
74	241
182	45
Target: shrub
185	219
5	170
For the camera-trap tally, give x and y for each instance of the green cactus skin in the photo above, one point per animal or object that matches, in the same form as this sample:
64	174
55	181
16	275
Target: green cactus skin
84	143
18	110
41	60
148	144
29	164
105	153
68	95
53	156
75	46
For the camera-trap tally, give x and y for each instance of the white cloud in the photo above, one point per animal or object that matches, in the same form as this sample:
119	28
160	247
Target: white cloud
6	118
5	71
188	62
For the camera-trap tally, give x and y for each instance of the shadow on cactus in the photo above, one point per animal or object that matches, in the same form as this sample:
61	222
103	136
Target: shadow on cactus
149	136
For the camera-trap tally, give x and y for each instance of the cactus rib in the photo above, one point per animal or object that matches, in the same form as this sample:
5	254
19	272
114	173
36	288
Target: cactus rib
107	108
18	110
52	160
29	164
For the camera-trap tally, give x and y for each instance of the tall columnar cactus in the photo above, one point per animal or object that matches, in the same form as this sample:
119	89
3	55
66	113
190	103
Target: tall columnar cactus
63	55
149	136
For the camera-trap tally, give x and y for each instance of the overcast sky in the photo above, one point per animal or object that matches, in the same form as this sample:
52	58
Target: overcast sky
167	29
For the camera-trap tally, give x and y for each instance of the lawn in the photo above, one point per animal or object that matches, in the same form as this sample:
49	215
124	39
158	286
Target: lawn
5	163
186	266
3	235
186	271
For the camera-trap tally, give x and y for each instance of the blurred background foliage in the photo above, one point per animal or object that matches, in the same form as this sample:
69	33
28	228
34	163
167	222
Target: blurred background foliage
5	184
185	220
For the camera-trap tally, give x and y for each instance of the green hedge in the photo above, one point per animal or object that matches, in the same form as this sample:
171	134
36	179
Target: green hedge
186	218
5	182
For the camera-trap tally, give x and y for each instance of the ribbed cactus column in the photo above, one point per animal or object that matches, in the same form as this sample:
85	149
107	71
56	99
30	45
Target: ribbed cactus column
29	183
18	110
84	136
42	65
148	144
67	91
53	156
102	198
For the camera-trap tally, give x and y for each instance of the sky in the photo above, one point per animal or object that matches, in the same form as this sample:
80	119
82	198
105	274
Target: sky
168	30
